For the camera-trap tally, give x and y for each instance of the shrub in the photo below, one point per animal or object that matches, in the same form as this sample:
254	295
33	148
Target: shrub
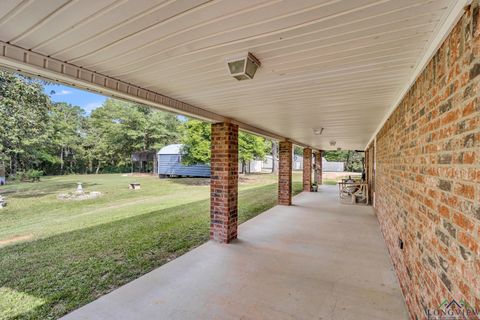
20	176
33	175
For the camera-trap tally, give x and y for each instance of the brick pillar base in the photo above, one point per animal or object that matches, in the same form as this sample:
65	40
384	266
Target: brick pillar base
318	167
307	169
285	173
224	182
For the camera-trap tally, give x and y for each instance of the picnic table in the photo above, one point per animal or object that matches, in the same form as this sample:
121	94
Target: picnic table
134	186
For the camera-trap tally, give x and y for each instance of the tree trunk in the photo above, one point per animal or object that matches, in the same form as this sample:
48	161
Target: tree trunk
90	165
347	165
61	160
98	168
73	162
15	164
155	164
274	157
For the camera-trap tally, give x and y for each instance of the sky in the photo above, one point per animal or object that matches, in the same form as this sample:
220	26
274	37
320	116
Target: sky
85	99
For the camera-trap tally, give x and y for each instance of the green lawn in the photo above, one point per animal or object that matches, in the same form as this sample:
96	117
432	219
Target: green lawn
57	255
338	177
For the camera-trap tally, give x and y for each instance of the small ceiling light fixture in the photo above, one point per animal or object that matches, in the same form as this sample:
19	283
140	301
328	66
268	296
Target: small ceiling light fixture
333	143
243	66
318	131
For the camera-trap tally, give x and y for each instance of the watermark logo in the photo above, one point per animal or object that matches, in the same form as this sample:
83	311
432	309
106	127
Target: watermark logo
453	310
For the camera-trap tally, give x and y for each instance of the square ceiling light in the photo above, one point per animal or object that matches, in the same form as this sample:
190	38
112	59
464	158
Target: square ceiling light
243	67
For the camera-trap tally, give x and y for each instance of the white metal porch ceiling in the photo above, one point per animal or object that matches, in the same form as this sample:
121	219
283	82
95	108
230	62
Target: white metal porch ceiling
340	65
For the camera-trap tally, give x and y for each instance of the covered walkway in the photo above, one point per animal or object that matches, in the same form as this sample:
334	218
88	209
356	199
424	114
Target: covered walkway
316	259
399	80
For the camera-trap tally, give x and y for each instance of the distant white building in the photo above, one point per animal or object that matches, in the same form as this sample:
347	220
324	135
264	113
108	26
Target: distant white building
252	166
327	166
331	166
297	164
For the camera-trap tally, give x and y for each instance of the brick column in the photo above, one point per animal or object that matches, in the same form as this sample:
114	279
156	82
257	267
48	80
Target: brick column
307	169
224	182
285	173
318	167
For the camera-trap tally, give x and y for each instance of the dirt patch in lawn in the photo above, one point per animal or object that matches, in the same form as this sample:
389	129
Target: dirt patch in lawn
15	239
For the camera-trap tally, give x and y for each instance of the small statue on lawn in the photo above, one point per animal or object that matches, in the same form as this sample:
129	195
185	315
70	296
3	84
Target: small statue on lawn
79	188
3	202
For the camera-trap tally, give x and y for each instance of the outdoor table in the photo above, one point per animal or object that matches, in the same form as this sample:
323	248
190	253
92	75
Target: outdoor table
353	190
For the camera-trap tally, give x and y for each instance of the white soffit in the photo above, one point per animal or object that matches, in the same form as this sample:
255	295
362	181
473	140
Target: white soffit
340	65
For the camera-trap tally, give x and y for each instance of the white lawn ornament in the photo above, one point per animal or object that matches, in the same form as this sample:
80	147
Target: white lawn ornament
3	202
79	188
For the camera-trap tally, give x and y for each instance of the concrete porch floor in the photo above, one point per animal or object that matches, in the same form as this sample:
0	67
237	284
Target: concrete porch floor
317	259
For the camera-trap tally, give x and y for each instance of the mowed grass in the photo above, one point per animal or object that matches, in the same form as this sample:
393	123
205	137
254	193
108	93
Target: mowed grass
57	255
334	178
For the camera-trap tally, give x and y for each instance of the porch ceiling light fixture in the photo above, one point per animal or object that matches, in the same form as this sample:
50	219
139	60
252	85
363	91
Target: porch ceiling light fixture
243	66
318	131
333	143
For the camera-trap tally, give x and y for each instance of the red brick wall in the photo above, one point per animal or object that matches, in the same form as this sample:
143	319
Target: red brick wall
307	169
285	173
428	176
224	182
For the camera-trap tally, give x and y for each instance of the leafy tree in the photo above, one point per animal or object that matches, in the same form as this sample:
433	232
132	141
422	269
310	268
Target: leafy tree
298	151
118	128
335	155
66	133
251	147
196	137
196	144
24	110
354	161
59	138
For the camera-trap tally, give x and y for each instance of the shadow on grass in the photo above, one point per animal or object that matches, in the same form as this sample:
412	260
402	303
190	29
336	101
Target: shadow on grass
190	181
242	178
71	269
40	189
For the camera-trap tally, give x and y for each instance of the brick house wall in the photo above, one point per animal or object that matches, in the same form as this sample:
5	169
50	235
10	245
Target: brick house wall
427	179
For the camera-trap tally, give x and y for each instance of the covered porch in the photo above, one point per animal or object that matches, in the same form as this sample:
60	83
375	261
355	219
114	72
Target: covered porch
399	80
316	259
